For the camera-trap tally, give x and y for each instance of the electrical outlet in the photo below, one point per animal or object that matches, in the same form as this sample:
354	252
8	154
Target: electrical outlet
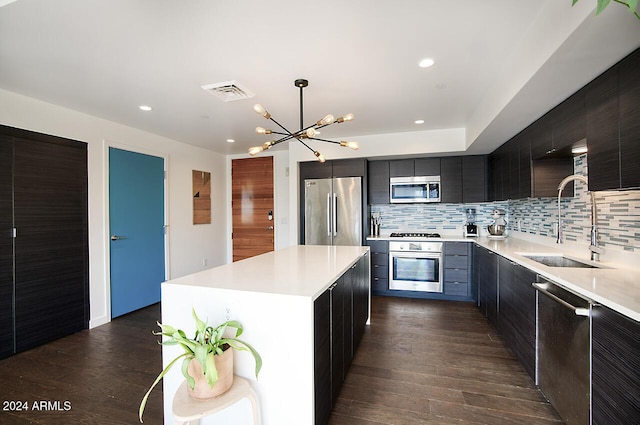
204	262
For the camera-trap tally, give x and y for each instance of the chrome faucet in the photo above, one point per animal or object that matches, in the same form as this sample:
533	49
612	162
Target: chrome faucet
594	246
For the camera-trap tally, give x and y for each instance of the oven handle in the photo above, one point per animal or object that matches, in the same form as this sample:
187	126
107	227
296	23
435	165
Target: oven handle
416	254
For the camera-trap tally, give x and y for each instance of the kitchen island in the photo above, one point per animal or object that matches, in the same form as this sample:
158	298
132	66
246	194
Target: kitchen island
273	296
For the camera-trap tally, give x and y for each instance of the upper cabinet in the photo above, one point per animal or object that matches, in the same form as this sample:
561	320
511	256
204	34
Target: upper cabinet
568	122
451	179
378	175
630	121
414	167
613	126
602	132
474	179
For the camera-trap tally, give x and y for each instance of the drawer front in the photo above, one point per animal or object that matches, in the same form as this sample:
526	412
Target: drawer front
456	288
456	275
380	259
456	262
380	271
456	248
379	284
378	246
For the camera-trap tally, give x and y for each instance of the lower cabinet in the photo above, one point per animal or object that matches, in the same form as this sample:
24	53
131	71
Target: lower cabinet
615	375
486	277
322	357
517	305
379	266
457	266
340	316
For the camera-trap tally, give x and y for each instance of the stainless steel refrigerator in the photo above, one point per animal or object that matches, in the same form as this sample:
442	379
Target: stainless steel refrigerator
333	211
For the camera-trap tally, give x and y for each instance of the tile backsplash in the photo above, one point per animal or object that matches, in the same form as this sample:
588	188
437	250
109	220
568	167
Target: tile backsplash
618	216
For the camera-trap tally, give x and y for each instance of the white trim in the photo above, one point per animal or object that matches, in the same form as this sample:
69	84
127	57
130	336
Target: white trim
106	144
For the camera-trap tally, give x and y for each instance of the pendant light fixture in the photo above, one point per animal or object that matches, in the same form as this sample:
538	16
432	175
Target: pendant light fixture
305	133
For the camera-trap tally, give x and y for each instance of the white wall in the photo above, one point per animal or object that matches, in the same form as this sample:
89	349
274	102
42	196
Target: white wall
188	244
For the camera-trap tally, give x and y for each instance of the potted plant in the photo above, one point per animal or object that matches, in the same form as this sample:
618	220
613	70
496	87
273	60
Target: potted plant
213	368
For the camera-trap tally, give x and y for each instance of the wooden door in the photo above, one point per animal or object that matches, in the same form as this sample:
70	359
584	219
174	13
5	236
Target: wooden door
252	206
6	247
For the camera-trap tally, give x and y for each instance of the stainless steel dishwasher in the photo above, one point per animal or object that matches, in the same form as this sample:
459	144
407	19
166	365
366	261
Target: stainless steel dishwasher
563	351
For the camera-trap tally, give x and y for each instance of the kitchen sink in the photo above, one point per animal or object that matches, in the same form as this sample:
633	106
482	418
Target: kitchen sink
558	260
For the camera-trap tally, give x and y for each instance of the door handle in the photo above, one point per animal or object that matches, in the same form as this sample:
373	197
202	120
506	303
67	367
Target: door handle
117	238
270	228
329	214
335	214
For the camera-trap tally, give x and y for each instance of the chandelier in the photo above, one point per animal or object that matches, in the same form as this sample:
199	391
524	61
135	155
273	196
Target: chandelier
305	133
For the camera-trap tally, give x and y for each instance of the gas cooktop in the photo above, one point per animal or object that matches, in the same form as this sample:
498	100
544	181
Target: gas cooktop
414	235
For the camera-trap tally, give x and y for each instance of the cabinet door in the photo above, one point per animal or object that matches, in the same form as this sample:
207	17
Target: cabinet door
615	368
347	309
51	250
6	247
315	170
568	122
512	183
402	168
322	357
349	167
474	179
541	138
517	302
485	274
337	338
629	121
378	178
602	131
360	300
427	167
525	171
451	179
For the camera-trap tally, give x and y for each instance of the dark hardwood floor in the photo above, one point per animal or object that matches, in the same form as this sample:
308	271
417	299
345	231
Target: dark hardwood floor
420	362
436	362
102	373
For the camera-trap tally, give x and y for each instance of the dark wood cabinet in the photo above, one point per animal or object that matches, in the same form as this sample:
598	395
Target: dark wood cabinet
379	266
340	315
602	131
486	277
6	248
517	301
568	122
615	383
316	170
500	173
457	266
322	357
525	179
474	179
378	178
355	167
451	179
402	168
50	289
511	185
629	104
541	139
427	167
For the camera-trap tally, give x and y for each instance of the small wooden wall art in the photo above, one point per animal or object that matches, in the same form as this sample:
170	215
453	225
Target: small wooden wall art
201	197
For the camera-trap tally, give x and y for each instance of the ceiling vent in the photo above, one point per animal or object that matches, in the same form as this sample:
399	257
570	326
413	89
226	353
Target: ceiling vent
228	91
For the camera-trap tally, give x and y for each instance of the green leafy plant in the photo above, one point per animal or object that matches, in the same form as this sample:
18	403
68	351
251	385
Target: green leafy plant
631	4
208	342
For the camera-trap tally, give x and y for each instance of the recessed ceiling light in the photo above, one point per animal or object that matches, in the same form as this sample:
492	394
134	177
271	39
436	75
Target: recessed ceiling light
230	141
426	63
145	108
419	121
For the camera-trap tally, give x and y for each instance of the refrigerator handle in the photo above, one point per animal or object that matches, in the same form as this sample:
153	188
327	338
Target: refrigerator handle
328	214
335	214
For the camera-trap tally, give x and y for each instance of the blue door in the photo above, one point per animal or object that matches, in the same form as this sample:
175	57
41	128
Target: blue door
136	223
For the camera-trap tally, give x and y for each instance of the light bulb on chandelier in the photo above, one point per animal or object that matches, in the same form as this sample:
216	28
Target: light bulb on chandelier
309	133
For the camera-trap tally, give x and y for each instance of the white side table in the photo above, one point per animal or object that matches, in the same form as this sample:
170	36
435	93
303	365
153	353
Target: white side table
187	409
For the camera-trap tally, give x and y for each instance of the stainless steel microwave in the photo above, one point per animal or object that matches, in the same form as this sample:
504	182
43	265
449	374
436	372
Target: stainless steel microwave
407	190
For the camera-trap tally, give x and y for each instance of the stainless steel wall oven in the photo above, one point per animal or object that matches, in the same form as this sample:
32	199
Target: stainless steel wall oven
415	266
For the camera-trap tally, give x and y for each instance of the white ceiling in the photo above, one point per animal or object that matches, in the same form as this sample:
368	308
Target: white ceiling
500	64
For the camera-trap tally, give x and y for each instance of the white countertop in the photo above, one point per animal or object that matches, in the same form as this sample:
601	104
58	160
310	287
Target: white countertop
300	270
617	286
